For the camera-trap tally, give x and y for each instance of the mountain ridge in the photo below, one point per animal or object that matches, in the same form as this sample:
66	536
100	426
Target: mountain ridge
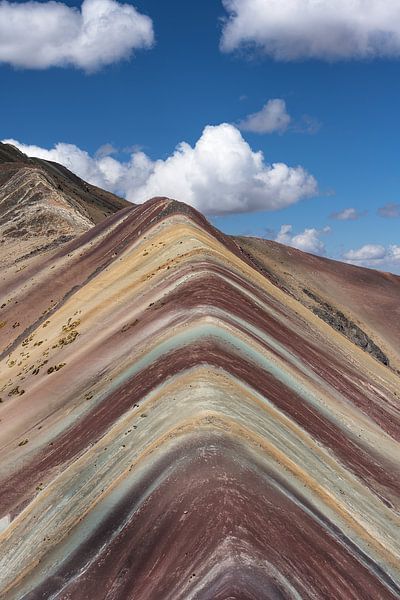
175	424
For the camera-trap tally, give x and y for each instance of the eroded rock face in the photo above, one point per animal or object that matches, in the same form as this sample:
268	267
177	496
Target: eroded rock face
175	425
336	319
31	205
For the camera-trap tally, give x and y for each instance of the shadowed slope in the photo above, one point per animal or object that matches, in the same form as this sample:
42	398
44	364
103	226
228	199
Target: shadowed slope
174	425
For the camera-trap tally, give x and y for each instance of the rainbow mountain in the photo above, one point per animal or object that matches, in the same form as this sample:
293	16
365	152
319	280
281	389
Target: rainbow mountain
187	415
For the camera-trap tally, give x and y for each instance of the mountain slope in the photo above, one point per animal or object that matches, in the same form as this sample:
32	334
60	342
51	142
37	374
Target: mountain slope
362	304
43	205
175	425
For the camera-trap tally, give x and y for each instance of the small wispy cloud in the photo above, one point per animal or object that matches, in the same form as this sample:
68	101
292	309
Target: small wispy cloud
307	124
348	214
391	210
273	117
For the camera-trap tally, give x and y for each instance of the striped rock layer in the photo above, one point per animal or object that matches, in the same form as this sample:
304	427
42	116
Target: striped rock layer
176	426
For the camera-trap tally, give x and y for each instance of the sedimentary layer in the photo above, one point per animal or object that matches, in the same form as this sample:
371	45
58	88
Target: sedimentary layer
175	425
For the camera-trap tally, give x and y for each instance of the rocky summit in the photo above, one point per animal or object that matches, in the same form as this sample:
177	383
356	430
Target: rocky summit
187	415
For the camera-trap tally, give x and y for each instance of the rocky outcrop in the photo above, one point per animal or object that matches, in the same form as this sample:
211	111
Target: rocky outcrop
336	319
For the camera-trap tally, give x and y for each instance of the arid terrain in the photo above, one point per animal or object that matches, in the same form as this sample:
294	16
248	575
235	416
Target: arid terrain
185	414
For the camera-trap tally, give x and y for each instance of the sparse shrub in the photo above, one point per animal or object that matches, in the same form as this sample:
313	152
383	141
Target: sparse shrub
55	368
16	391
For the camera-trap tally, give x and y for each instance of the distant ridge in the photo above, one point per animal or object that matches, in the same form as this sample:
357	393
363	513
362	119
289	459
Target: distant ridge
43	204
362	304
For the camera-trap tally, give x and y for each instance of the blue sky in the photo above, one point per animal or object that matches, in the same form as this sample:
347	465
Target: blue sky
169	92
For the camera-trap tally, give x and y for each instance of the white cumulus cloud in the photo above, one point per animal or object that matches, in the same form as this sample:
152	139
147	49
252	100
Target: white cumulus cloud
376	256
309	240
366	252
322	29
272	117
219	174
38	35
